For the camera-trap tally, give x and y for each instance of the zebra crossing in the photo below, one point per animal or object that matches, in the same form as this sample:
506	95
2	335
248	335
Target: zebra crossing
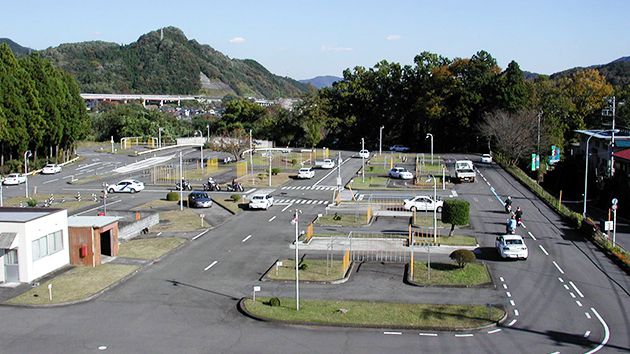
301	201
315	188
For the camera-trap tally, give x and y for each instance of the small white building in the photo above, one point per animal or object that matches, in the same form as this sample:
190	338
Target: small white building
33	243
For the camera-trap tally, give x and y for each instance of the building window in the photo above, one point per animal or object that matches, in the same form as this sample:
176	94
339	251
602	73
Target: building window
47	245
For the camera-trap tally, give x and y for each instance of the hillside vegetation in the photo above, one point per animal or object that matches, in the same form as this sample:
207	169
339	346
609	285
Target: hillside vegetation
169	65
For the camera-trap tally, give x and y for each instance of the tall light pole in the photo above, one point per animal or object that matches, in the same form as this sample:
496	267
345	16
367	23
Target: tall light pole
538	141
612	142
429	135
380	140
181	184
208	136
270	157
586	171
27	154
160	129
251	154
297	276
434	208
362	160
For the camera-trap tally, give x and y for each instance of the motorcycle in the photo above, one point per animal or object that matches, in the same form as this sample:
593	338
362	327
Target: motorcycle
508	208
510	226
212	185
183	185
235	187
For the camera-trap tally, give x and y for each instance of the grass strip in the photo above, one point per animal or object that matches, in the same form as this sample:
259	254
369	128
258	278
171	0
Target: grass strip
447	274
377	314
316	270
342	220
228	204
149	248
75	284
455	240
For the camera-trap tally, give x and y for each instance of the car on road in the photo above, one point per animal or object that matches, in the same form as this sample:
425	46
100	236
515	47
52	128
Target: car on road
511	246
14	179
260	201
486	158
126	186
306	173
325	164
400	172
198	199
423	203
51	169
398	148
364	154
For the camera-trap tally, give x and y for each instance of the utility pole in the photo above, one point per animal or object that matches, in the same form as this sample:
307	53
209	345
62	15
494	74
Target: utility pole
269	152
181	183
251	154
429	135
27	154
538	142
380	140
612	143
297	276
362	160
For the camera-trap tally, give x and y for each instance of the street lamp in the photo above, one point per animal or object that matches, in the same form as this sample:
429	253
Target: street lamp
27	154
295	221
429	135
362	160
208	136
431	177
380	140
251	154
160	130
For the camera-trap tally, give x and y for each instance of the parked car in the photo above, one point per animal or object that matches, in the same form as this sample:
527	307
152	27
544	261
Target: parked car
486	158
423	203
14	179
306	173
198	199
511	246
398	148
364	154
400	172
465	171
51	169
260	201
126	186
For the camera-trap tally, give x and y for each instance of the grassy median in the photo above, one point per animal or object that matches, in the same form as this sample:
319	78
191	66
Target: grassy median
342	220
376	314
149	248
312	270
455	240
447	274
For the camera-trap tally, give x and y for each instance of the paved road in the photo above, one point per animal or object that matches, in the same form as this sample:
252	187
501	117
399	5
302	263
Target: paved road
566	297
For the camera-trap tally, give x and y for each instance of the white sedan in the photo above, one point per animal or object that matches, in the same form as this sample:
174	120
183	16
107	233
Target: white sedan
486	158
423	203
364	154
511	246
51	169
400	172
14	179
126	186
306	173
260	201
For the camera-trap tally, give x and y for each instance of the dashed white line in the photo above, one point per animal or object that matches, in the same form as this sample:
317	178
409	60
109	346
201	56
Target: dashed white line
576	289
587	333
494	331
561	280
508	294
287	207
428	334
396	333
511	323
246	238
159	233
557	266
578	303
512	303
516	312
464	335
211	265
50	181
572	295
606	333
488	182
501	278
543	249
531	235
201	234
504	286
566	286
588	315
272	219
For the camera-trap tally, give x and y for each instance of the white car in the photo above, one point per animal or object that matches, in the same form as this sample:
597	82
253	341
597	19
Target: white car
14	179
364	154
400	172
260	201
126	186
423	203
305	173
486	158
511	246
51	169
325	164
398	148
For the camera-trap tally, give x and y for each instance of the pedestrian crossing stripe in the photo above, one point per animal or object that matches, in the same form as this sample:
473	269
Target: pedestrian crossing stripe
317	188
301	201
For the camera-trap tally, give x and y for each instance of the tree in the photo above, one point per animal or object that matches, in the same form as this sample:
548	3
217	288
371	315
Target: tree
235	142
455	212
463	257
513	134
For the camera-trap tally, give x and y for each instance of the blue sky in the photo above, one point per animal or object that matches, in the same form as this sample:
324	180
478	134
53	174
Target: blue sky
303	39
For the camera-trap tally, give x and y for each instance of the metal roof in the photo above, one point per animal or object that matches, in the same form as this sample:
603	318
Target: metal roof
604	134
6	239
91	221
21	215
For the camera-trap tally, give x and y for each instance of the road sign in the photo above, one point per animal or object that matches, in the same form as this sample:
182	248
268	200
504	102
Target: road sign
615	201
608	225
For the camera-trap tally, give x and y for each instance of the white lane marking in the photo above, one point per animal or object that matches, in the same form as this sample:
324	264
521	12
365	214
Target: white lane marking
330	173
287	207
159	233
67	177
523	225
464	335
86	166
211	265
51	181
531	235
508	294
557	266
511	323
309	202
512	303
576	289
572	295
588	315
504	286
561	280
566	286
201	234
587	333
516	312
246	238
494	331
88	171
488	183
543	249
428	334
606	333
396	333
272	219
578	303
501	278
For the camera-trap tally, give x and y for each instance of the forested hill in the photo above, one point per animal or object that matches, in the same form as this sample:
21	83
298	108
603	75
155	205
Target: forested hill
617	72
15	48
171	64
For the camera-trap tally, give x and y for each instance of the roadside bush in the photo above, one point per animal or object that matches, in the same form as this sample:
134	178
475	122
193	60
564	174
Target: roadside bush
235	197
463	257
456	212
274	301
31	202
294	162
336	217
172	196
275	171
303	266
11	166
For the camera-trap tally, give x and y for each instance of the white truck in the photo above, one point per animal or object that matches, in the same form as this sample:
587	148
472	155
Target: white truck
465	171
325	163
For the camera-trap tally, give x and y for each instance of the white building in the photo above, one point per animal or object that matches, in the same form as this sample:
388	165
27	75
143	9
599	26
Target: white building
33	243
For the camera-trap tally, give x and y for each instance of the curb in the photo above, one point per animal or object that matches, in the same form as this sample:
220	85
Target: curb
345	278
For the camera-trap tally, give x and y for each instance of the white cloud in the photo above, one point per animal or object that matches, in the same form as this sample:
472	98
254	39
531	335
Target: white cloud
326	48
237	40
393	37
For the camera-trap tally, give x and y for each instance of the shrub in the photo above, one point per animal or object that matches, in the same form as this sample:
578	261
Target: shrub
303	266
294	162
235	197
462	257
456	212
275	171
274	301
172	196
31	202
371	168
336	217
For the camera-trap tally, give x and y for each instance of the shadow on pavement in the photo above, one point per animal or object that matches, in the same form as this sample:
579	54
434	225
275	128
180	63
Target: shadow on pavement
177	283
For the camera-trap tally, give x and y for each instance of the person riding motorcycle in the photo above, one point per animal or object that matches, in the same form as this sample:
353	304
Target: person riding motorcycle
510	226
518	215
508	204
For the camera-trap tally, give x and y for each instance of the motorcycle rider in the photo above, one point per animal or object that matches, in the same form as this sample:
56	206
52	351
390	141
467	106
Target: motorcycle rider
518	214
510	226
508	204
